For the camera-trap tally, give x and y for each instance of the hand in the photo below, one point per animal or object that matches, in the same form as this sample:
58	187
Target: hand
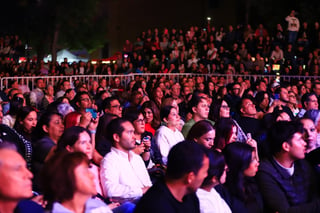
113	205
94	123
39	200
85	119
252	143
147	142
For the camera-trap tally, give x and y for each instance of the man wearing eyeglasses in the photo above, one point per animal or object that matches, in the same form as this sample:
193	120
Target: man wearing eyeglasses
112	105
309	101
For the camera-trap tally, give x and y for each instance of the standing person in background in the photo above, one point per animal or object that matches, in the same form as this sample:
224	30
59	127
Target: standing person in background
37	94
293	27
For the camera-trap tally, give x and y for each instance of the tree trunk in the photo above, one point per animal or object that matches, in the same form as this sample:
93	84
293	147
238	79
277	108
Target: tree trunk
54	44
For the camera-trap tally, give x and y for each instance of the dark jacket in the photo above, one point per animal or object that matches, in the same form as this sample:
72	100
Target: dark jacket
284	193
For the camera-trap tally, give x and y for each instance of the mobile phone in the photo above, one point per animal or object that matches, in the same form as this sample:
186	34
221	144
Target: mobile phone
93	112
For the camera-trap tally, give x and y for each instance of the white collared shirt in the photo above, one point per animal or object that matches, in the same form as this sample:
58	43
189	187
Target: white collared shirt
121	177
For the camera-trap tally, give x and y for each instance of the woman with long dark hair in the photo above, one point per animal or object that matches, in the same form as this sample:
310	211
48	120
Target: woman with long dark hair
240	190
209	199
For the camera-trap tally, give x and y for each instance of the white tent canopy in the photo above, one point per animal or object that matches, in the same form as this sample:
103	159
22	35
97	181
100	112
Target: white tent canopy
65	54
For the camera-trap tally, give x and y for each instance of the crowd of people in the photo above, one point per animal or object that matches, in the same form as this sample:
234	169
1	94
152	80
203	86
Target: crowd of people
191	144
199	49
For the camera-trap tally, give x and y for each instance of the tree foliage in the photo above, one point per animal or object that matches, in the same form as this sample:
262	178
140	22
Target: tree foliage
75	24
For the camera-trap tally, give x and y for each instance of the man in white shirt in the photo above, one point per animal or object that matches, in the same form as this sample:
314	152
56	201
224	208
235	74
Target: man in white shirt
37	94
123	173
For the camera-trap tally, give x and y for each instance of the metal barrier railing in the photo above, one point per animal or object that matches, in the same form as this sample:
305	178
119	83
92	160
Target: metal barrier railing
124	79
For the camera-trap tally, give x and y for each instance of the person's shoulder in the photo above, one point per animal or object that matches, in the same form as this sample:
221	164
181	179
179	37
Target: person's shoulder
26	206
95	205
157	199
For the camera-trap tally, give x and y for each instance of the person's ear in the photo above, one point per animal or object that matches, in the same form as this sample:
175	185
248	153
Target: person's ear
194	109
190	177
215	180
116	137
45	128
286	146
69	148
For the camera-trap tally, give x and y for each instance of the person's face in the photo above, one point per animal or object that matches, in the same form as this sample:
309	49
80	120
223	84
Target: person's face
312	103
207	140
50	90
15	177
85	102
265	101
149	115
224	110
115	108
202	109
236	90
71	95
126	141
284	95
55	128
84	180
263	87
233	137
66	86
30	122
308	84
83	144
186	90
297	148
40	84
159	93
173	118
253	166
310	132
103	83
198	178
292	98
317	89
248	108
176	90
139	124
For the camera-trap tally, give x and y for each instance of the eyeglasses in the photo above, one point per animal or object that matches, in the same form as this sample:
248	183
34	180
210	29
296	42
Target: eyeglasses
141	120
